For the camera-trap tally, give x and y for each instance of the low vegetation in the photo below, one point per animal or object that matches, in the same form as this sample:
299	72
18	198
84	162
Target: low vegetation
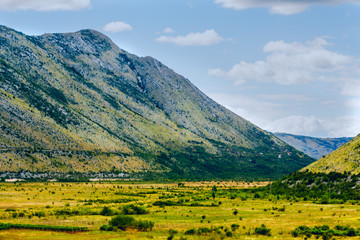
325	188
4	226
325	231
181	210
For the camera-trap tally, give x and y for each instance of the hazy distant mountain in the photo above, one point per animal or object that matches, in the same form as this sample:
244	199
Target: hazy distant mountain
314	147
346	158
76	102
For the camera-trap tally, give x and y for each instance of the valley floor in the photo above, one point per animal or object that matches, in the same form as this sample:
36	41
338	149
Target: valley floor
177	206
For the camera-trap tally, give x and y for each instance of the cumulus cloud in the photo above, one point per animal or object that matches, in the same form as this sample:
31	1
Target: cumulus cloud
115	27
289	63
284	7
44	5
207	38
275	113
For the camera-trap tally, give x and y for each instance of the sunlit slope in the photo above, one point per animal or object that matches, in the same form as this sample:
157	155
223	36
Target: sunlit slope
77	102
344	159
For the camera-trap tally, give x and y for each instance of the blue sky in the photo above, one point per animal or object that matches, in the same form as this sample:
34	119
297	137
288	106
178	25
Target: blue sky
288	66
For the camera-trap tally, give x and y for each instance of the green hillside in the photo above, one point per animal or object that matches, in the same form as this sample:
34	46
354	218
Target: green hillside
76	102
344	159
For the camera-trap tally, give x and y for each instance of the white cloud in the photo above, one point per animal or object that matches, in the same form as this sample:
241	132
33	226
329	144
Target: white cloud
115	27
300	125
207	38
287	97
277	117
44	5
350	86
284	7
289	63
253	109
168	30
347	126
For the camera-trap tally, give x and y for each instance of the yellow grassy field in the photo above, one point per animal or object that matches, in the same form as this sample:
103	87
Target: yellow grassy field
79	204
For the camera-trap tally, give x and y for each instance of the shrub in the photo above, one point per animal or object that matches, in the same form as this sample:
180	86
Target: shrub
165	203
263	230
40	214
173	232
190	231
10	210
103	227
203	230
110	228
234	227
144	225
107	228
134	209
122	222
106	211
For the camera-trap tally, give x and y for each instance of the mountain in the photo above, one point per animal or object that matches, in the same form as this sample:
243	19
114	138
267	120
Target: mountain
76	102
314	147
344	159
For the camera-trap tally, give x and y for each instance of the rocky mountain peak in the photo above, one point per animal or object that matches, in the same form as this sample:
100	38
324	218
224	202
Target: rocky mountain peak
77	101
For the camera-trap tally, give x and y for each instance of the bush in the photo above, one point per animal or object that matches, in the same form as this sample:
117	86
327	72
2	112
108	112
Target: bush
234	227
110	228
40	214
107	228
122	222
103	227
165	203
134	209
191	231
263	230
173	232
144	225
235	212
106	211
203	230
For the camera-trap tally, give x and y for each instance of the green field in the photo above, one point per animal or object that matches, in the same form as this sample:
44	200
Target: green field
180	207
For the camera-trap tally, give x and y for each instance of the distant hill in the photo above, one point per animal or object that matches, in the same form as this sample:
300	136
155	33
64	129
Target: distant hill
76	102
344	159
314	147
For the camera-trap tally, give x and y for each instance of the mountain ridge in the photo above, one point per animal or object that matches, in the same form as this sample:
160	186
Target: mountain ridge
77	101
313	146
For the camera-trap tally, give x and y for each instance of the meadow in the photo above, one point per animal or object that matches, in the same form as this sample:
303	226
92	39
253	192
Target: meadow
181	210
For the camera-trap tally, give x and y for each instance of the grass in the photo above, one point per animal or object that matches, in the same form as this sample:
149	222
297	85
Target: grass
21	203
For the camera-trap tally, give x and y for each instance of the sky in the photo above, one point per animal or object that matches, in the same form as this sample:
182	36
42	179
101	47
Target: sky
285	65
